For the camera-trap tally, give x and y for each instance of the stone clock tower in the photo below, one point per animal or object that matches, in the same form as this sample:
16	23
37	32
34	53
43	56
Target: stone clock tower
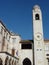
39	55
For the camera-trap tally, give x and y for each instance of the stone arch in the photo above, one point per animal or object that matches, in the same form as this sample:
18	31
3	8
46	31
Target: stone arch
10	61
26	61
15	62
1	62
37	17
6	60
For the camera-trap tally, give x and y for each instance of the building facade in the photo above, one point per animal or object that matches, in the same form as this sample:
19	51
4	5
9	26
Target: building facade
15	51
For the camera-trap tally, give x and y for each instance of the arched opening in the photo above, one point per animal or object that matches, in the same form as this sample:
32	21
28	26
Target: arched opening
1	62
48	60
37	17
26	61
6	60
10	61
15	63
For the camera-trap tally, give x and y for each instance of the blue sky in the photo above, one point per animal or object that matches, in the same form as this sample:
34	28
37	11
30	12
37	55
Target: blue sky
17	16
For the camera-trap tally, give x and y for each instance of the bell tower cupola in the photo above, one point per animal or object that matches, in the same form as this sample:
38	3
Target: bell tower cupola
37	13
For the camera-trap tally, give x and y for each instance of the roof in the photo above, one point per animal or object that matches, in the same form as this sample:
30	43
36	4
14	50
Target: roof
26	41
31	41
36	6
11	33
46	40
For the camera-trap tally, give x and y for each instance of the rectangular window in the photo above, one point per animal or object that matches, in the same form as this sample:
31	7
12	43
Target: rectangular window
26	46
47	54
13	52
1	30
47	47
9	38
6	35
14	40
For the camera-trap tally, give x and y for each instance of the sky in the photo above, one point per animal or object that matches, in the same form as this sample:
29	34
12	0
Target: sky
17	16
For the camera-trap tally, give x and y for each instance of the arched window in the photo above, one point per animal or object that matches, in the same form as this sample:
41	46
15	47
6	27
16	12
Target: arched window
6	60
1	62
37	17
26	61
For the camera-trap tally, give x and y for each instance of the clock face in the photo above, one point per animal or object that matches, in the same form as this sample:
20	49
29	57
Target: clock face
38	36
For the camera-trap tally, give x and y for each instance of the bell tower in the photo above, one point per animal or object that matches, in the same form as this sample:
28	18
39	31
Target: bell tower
39	55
